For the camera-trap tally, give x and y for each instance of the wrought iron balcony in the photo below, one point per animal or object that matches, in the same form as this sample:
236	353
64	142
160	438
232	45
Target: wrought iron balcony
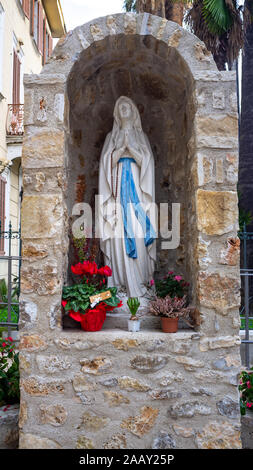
15	120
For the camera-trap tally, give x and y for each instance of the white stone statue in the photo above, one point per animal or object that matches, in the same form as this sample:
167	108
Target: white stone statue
127	188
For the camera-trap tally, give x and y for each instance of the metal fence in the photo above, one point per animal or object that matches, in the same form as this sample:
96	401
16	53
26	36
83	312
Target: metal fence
246	311
10	279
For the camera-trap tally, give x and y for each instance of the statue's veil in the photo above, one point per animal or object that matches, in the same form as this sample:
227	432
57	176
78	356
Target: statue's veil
147	175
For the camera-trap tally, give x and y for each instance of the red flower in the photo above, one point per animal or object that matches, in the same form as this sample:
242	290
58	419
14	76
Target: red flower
78	269
9	338
105	271
4	344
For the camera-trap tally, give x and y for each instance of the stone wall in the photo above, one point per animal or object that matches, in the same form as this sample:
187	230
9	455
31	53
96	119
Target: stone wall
168	391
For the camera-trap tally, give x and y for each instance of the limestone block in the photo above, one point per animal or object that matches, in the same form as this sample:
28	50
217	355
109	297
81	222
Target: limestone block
221	293
189	409
25	363
218	100
130	23
55	415
164	441
164	394
97	366
205	169
23	414
84	442
42	281
217	211
170	378
34	387
130	384
94	423
217	125
219	436
28	315
115	398
175	38
142	423
52	364
125	344
148	364
32	343
183	431
42	216
201	53
43	148
33	251
231	254
118	441
229	407
219	342
30	441
189	363
81	384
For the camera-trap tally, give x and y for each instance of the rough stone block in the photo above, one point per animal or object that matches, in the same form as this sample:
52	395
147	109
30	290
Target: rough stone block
217	211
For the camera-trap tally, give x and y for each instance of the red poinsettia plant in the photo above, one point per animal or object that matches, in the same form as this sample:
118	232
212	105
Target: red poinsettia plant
76	299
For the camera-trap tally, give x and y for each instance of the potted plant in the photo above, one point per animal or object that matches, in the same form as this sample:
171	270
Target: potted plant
246	391
170	310
134	323
171	284
88	301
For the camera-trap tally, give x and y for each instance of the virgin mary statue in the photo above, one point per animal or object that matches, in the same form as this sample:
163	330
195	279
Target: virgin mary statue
127	191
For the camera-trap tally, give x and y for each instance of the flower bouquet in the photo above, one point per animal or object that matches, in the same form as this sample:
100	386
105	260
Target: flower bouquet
88	301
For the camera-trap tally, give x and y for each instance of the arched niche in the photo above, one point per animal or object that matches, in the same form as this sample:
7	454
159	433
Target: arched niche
158	80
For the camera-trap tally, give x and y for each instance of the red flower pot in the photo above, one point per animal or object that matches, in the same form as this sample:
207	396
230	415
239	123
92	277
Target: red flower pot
93	319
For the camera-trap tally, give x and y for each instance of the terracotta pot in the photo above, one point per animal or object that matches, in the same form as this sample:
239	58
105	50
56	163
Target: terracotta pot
169	325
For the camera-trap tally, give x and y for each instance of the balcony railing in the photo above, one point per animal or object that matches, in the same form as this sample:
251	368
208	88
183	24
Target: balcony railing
15	120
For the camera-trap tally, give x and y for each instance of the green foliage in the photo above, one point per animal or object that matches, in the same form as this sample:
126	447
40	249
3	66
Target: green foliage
133	305
4	299
80	245
130	5
9	373
243	323
246	391
78	296
171	285
217	16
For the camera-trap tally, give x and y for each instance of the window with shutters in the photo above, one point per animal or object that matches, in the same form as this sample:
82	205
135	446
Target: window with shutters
26	7
37	24
2	211
16	78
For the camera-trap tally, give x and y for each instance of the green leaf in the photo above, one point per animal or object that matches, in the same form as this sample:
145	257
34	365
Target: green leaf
217	16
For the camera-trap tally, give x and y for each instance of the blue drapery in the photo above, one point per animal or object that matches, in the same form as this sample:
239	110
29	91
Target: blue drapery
128	194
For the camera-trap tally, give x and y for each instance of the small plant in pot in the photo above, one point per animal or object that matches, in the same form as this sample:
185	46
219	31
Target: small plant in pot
134	322
170	310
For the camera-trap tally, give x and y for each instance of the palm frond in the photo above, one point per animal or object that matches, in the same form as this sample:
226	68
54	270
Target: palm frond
217	16
129	5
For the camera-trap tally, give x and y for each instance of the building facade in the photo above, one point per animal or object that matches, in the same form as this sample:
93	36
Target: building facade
27	29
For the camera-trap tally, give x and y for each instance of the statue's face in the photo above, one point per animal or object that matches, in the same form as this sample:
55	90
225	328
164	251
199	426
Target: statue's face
125	110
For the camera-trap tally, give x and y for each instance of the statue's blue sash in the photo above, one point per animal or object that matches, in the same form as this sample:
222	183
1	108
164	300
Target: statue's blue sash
128	194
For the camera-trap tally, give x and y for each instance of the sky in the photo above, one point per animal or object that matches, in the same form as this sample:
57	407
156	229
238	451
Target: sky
78	12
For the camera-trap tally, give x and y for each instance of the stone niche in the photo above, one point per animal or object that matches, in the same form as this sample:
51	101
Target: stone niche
72	382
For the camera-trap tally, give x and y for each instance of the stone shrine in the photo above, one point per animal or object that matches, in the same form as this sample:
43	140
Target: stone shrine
114	389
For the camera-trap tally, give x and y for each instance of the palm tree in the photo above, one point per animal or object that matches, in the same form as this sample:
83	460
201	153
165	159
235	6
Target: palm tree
220	24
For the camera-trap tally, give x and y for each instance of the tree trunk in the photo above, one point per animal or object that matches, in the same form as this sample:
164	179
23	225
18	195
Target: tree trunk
164	8
155	7
174	11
